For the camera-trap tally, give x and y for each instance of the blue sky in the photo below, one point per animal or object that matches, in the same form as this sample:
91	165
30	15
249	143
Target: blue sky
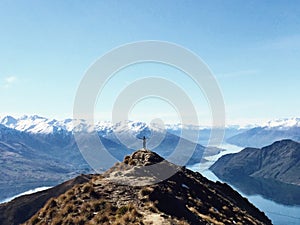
252	48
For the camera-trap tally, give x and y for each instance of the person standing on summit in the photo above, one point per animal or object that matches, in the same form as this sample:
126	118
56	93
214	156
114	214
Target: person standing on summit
144	142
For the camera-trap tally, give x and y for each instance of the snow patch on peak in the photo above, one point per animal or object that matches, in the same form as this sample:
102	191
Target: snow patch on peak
33	124
136	126
282	123
8	121
128	125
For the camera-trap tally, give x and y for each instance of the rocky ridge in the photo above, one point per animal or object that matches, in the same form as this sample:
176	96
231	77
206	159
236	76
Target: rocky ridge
128	193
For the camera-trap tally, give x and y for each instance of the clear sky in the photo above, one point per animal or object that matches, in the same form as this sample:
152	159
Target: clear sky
252	47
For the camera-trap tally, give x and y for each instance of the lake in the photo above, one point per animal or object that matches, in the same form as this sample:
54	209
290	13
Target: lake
283	207
25	193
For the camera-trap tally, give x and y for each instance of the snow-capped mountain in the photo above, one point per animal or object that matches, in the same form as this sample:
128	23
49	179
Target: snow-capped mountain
41	125
128	133
268	133
286	123
36	124
56	138
44	126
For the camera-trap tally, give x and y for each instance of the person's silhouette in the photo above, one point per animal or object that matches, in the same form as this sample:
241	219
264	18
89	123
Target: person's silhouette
144	142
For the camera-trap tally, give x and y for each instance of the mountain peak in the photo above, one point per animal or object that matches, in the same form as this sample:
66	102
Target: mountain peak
8	121
184	198
283	123
143	157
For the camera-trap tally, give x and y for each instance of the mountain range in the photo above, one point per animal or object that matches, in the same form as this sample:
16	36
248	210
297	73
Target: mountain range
268	133
245	136
36	151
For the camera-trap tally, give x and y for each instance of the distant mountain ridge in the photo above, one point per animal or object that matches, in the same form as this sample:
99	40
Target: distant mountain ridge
61	132
279	161
268	133
283	123
250	136
43	126
39	124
